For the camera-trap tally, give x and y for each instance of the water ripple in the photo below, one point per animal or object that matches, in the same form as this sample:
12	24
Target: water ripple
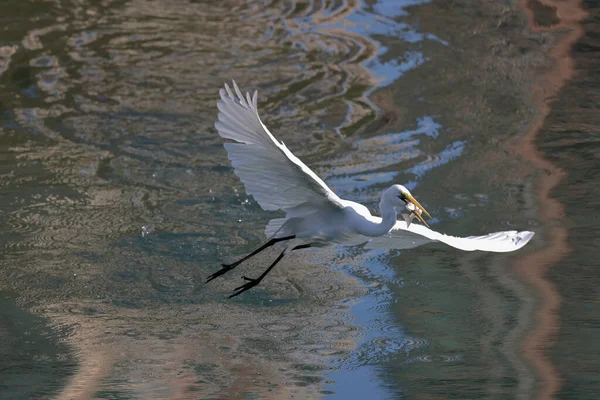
118	197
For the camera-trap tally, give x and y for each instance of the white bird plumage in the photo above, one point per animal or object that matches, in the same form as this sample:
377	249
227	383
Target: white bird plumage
278	180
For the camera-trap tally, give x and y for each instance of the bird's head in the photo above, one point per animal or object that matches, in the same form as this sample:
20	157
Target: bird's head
399	196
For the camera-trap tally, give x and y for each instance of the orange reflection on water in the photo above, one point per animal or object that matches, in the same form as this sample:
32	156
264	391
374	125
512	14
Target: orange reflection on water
534	267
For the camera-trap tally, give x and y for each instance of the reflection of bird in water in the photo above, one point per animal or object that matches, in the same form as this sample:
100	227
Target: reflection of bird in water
315	215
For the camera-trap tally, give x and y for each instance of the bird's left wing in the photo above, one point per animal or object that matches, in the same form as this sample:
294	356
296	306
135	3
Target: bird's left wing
276	178
404	237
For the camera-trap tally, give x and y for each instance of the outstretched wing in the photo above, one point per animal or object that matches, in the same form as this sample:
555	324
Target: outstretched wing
403	237
276	178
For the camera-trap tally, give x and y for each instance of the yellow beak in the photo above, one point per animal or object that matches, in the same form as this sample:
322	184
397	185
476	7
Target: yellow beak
418	207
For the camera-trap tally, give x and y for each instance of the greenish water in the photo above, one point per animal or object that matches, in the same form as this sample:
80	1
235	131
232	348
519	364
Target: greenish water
117	200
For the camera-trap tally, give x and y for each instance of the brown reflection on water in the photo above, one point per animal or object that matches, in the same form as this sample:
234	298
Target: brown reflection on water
548	16
179	354
211	348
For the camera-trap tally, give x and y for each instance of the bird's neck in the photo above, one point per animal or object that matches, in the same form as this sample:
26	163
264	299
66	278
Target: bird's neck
388	220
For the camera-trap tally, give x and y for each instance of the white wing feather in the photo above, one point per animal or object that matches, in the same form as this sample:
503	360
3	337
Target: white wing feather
403	237
276	178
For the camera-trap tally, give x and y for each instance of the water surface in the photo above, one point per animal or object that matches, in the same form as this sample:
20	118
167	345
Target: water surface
118	198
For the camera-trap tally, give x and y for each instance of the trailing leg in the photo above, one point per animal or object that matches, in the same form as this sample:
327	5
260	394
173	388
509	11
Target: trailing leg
228	267
253	282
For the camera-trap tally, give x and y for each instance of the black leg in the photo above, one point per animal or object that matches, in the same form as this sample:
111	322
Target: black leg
302	246
228	267
253	282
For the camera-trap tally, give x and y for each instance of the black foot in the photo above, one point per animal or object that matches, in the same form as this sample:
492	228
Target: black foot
224	269
247	286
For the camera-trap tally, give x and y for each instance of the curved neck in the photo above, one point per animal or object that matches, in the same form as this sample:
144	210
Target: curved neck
388	220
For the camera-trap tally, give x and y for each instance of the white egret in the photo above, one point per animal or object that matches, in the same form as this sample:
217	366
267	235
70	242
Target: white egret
278	180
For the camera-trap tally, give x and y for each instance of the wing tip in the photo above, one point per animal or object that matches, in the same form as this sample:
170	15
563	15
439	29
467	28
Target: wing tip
234	93
522	238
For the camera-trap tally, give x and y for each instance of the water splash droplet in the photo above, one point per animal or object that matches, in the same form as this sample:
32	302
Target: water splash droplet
146	229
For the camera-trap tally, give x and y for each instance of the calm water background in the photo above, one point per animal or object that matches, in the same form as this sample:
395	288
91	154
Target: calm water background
117	200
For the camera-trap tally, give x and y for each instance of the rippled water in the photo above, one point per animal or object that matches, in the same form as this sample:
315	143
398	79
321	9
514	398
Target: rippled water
118	199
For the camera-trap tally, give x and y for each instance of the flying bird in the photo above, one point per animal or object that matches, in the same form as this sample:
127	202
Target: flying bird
314	214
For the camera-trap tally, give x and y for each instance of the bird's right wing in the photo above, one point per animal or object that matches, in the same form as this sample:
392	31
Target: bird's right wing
404	237
276	178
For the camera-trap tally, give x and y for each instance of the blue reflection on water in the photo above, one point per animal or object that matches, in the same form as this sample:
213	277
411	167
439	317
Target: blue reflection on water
382	336
367	23
373	162
451	152
366	167
358	384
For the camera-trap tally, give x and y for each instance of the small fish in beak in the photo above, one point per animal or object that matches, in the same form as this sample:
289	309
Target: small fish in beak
415	212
